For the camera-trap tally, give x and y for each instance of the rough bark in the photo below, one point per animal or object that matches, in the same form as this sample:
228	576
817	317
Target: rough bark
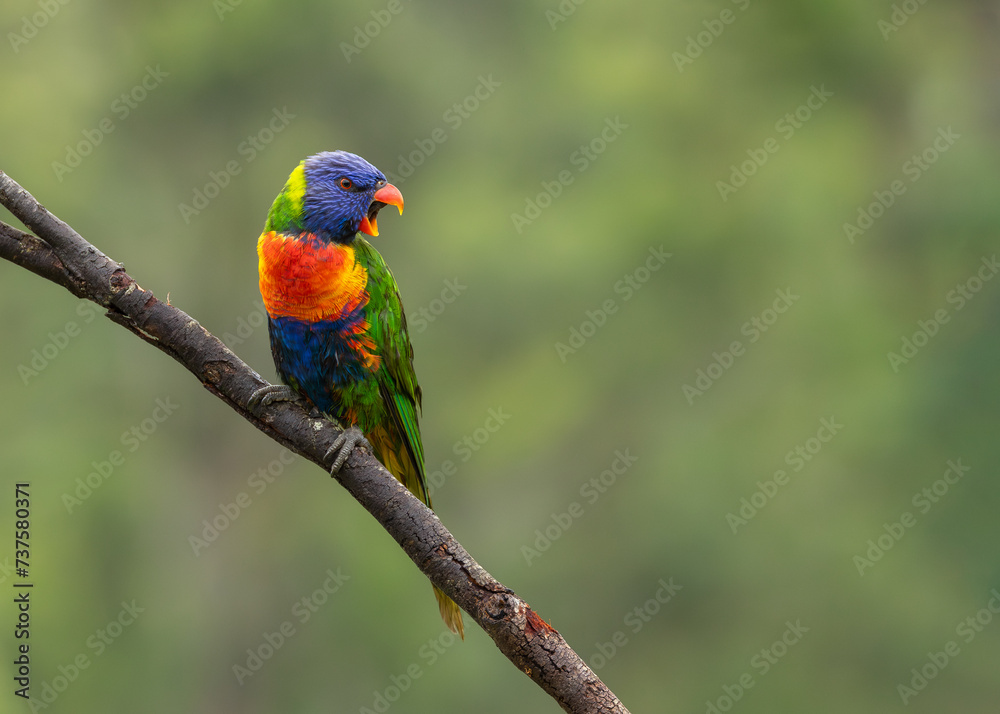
61	255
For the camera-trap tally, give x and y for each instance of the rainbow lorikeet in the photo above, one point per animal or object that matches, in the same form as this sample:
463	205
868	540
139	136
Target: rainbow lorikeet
335	318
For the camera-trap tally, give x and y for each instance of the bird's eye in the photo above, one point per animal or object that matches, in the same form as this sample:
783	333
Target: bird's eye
346	184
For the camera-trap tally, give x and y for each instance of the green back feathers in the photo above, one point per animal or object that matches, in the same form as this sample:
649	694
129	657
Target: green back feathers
396	376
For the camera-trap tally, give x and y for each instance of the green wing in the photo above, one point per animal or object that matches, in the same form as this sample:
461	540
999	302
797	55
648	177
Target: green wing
396	440
397	380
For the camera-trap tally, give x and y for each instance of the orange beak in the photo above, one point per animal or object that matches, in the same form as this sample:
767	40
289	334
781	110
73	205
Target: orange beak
388	195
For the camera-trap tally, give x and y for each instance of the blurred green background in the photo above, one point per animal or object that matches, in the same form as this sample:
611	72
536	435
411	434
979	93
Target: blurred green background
600	132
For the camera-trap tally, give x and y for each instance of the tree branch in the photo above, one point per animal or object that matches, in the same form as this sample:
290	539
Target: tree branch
61	255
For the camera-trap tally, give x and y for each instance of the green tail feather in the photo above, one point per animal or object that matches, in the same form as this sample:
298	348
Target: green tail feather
451	613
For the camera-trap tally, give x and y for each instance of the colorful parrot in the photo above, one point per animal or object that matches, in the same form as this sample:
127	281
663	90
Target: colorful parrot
338	332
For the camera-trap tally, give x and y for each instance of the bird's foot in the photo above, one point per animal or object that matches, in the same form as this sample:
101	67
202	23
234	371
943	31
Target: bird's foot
270	394
349	439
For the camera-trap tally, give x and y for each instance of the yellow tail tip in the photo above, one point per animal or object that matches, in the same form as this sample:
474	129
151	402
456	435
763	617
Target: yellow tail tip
450	613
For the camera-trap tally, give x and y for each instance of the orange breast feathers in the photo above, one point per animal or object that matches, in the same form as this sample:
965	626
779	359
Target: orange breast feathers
307	280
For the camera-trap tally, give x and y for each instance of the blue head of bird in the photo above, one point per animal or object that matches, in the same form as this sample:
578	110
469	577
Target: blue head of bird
343	195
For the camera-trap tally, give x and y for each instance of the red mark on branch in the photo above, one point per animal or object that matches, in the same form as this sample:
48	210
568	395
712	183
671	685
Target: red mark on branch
534	624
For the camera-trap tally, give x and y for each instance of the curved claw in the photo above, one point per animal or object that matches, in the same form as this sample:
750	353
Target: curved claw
343	445
270	394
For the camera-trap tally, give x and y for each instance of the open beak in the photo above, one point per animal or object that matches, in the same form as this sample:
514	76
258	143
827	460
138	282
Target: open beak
388	195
